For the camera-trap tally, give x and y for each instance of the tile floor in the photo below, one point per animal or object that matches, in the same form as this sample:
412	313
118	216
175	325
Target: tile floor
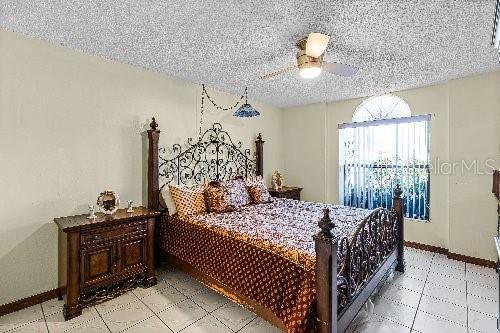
434	295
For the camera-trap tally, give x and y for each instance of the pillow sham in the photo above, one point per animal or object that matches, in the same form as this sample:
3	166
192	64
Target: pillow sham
218	198
189	200
259	193
167	200
238	192
257	190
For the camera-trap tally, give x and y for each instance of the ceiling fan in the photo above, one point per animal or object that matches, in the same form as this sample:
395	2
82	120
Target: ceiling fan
310	59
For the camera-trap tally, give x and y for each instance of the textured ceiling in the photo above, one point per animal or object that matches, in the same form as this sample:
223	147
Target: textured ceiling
397	44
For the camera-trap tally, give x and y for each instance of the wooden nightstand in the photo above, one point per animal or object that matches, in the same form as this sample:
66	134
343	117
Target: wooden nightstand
286	192
102	258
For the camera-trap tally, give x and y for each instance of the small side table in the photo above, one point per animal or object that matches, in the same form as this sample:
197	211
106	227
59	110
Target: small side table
104	257
287	192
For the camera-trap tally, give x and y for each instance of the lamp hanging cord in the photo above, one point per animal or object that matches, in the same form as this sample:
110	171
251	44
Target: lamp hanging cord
204	94
218	107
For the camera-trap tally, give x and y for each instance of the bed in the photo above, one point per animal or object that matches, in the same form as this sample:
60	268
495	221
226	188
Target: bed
274	258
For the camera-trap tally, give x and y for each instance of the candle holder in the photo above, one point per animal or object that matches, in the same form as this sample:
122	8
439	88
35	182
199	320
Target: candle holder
130	209
92	215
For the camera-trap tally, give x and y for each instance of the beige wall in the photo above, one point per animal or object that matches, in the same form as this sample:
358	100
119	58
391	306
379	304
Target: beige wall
474	135
70	127
465	125
305	134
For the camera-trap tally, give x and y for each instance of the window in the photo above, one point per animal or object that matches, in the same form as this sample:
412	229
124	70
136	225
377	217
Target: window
382	147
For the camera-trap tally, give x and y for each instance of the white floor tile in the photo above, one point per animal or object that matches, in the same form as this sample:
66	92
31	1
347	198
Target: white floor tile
443	309
482	290
150	325
475	269
52	306
207	324
449	281
446	294
482	323
209	300
181	315
452	269
38	326
190	287
484	305
95	325
259	325
394	311
116	303
422	256
175	276
127	316
449	298
420	260
416	272
163	299
486	280
427	323
407	282
233	315
398	294
143	292
21	317
56	322
453	266
377	324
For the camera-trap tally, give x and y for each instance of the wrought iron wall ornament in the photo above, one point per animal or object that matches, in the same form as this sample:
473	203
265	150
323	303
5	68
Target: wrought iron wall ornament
213	157
244	111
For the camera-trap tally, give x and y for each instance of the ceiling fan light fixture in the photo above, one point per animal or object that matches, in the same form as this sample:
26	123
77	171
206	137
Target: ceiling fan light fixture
311	70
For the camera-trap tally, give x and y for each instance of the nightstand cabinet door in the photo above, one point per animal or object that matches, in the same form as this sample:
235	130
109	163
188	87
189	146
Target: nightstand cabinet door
97	264
132	254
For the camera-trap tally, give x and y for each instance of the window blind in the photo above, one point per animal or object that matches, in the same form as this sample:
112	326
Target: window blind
377	155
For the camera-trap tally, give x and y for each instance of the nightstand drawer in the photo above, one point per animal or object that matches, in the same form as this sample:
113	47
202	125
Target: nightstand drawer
112	233
286	192
290	195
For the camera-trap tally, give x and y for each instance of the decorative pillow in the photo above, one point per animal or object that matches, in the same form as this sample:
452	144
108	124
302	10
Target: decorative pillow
237	189
167	200
218	198
259	193
188	200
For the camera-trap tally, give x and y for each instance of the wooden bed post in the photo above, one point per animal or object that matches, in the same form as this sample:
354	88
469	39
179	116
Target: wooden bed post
397	205
326	275
153	181
259	144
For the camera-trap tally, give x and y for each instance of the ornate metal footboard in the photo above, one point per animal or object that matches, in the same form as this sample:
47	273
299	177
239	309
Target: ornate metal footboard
363	261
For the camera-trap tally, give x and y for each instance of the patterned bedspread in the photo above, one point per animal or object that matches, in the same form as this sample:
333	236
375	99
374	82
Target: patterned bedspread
265	252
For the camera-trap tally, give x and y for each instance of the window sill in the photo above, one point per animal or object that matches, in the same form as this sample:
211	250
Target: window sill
417	220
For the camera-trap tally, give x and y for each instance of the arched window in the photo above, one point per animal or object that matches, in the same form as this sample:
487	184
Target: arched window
385	145
381	107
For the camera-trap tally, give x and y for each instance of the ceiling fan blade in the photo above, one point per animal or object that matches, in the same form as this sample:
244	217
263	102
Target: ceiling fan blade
277	72
316	44
339	69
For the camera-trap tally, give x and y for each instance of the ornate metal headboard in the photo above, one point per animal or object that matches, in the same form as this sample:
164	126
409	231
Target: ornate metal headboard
213	157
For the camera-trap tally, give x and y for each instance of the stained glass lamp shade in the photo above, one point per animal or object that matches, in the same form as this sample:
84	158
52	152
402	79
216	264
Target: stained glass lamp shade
246	110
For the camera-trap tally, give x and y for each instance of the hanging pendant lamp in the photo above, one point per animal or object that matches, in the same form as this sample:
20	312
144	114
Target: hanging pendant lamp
246	110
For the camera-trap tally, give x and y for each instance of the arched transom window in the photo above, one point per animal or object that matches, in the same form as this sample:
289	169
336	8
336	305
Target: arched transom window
381	107
383	147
